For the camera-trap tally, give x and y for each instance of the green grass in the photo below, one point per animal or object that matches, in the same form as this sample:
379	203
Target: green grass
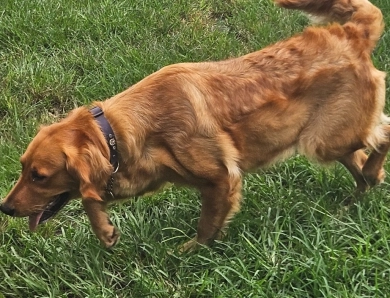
293	238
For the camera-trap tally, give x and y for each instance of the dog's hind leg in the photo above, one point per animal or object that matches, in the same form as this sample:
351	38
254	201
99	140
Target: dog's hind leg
368	171
354	163
220	201
373	170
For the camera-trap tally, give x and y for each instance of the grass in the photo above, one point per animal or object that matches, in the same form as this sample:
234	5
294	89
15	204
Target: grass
292	238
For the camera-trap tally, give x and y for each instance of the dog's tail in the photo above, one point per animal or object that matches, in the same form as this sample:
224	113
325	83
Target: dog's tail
364	16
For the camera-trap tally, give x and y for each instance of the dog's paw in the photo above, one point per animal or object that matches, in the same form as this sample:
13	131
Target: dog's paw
189	246
109	237
373	180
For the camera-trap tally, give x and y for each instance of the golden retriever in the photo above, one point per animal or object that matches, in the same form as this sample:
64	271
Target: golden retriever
204	124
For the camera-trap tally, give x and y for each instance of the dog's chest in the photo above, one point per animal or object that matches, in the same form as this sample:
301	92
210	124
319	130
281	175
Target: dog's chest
129	185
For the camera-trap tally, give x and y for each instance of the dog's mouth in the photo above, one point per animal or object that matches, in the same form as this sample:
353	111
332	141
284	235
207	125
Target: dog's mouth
50	210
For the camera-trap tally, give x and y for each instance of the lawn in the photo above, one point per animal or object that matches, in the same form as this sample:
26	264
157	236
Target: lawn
293	237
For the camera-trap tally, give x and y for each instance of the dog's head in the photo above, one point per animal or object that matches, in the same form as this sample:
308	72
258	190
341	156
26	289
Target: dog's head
64	161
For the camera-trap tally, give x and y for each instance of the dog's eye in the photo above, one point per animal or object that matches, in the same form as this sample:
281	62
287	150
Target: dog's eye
37	177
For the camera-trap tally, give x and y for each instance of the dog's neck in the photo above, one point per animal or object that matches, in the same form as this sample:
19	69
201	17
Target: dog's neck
109	135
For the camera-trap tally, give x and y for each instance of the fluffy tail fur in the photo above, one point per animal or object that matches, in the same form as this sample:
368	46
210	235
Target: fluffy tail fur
360	14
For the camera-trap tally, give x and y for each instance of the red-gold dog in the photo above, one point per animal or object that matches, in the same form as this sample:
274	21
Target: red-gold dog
204	124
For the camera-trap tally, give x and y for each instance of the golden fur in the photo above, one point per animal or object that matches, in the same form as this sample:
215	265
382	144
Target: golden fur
204	124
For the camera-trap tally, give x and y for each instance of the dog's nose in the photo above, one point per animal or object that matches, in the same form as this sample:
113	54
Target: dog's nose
7	210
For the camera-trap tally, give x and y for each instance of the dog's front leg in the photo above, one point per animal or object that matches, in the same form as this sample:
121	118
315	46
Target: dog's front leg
101	224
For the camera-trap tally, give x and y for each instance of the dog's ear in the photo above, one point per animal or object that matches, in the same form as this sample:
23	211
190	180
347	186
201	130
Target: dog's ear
90	168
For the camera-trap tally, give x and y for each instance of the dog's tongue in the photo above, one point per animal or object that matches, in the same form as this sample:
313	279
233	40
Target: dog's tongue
33	221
